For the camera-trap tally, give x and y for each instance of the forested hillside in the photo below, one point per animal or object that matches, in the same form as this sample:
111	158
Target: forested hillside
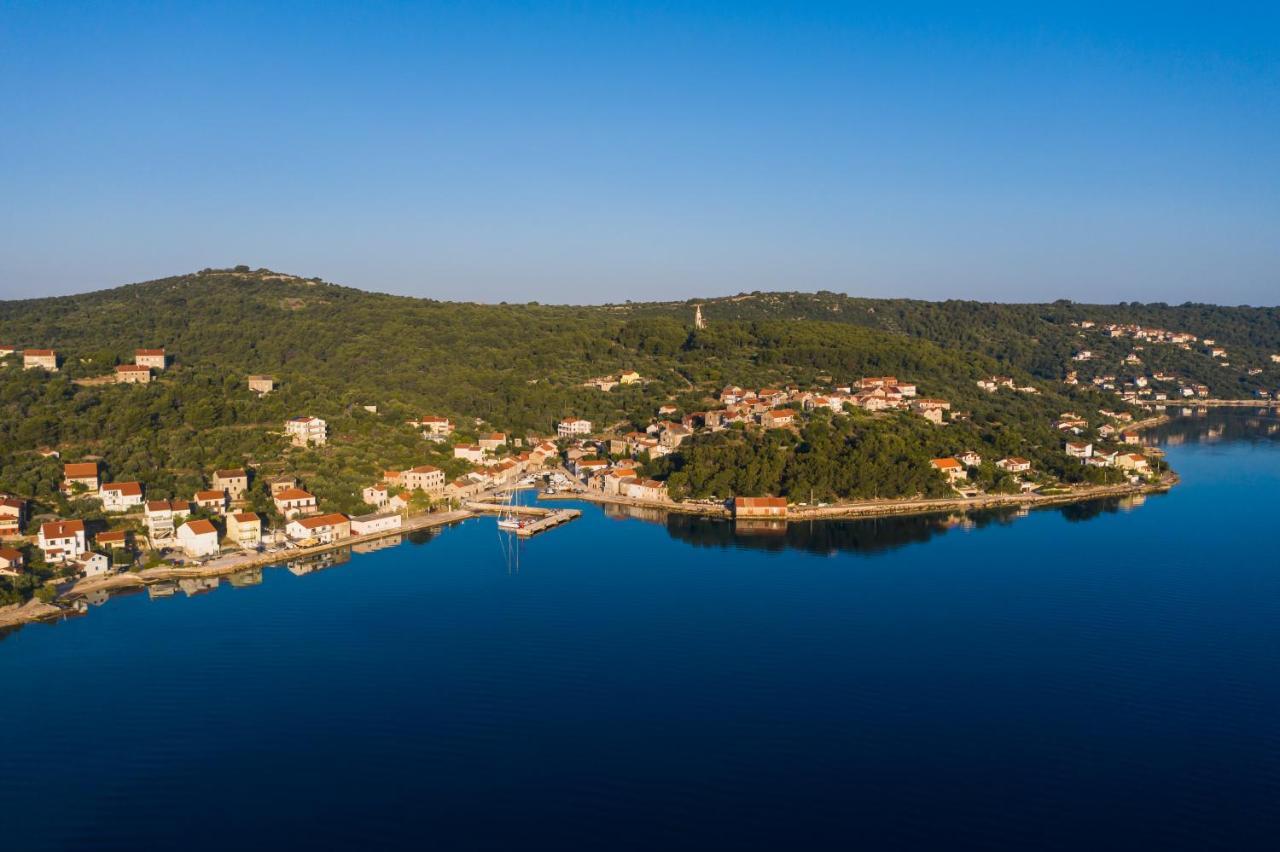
334	350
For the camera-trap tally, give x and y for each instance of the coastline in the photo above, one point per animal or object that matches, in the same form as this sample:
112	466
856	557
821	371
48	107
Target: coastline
33	611
886	507
36	611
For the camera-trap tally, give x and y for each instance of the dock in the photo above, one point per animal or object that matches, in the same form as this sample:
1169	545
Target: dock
545	519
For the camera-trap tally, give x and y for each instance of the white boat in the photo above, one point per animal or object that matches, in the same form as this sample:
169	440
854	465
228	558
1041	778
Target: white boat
507	518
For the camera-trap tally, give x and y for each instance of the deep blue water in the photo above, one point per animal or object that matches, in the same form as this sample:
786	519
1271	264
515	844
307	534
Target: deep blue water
1090	678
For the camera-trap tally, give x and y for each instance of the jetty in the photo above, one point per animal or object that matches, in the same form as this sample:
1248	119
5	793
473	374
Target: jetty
543	519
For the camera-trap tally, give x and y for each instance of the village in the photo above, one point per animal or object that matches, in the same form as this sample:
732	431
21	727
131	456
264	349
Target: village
579	461
1134	383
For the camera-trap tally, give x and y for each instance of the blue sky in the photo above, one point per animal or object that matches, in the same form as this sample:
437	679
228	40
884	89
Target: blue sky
589	152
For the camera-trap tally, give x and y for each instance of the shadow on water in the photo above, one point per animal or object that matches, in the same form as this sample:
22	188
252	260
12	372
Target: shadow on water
867	536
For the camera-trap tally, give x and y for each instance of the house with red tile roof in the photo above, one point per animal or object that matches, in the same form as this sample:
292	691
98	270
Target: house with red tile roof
120	496
759	507
198	538
62	541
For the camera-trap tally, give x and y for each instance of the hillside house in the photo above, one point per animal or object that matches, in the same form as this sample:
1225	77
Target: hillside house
1078	449
42	359
307	431
62	541
110	540
132	374
571	426
931	409
424	478
438	427
211	501
492	441
628	377
11	562
120	496
469	452
262	385
198	538
324	529
375	523
152	359
293	502
79	477
673	436
161	515
13	511
759	507
951	468
778	419
244	529
1014	464
280	483
970	459
234	481
376	495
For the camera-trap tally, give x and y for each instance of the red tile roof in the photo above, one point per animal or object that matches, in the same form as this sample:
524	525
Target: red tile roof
61	529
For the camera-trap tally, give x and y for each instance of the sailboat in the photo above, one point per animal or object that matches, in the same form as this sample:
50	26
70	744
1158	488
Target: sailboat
508	519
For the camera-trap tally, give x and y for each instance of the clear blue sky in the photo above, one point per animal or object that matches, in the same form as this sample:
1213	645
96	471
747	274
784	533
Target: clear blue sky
599	151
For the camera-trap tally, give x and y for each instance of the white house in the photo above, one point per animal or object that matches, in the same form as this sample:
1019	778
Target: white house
62	541
94	565
292	502
375	523
214	501
198	538
471	452
150	358
161	515
120	496
303	431
376	495
571	426
323	528
1079	450
1014	464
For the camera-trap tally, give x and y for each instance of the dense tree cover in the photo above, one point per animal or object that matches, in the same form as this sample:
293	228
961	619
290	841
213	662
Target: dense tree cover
519	368
1036	338
334	350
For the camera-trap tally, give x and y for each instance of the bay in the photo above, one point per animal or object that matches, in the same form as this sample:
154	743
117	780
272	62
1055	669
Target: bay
1101	676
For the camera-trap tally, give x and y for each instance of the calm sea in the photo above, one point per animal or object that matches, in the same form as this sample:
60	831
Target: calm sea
1098	677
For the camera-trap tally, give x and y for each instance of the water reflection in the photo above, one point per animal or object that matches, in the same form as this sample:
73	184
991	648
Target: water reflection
866	536
1212	425
319	561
